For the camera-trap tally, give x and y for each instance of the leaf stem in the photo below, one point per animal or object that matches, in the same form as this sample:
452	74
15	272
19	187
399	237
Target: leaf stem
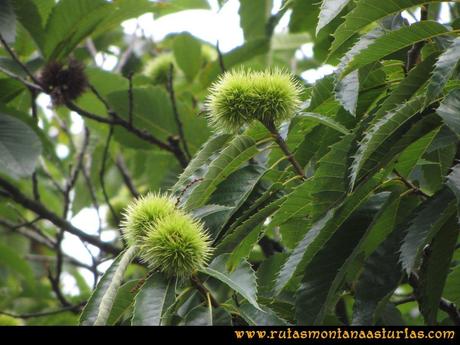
196	282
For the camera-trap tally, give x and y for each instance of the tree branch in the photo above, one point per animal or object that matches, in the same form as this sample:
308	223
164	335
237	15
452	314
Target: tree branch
102	175
414	53
120	163
38	208
76	309
220	58
16	59
172	96
283	146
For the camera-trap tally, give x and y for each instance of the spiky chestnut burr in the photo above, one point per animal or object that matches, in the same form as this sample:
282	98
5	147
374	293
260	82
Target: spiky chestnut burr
177	245
64	83
240	97
143	213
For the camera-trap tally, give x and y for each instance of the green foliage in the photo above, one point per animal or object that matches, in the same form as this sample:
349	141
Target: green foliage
323	202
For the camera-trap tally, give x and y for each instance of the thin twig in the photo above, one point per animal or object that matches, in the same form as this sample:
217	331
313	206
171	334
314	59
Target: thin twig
172	96
410	185
16	59
141	134
220	58
72	308
283	146
22	80
102	175
414	53
93	196
120	163
204	291
130	99
116	120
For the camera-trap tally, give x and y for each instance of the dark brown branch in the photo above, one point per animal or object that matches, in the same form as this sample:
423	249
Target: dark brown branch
445	305
16	59
283	146
33	105
220	58
22	80
172	96
115	120
93	196
120	163
100	98
130	98
204	291
38	208
410	185
102	175
413	54
142	134
76	309
35	186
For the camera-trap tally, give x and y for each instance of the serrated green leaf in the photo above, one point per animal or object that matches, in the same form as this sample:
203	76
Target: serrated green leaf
408	87
201	160
242	279
208	210
91	310
329	10
257	317
238	151
394	41
380	277
366	12
124	300
381	131
322	91
238	235
330	181
347	88
324	120
408	159
444	68
320	233
428	219
434	270
449	109
152	300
